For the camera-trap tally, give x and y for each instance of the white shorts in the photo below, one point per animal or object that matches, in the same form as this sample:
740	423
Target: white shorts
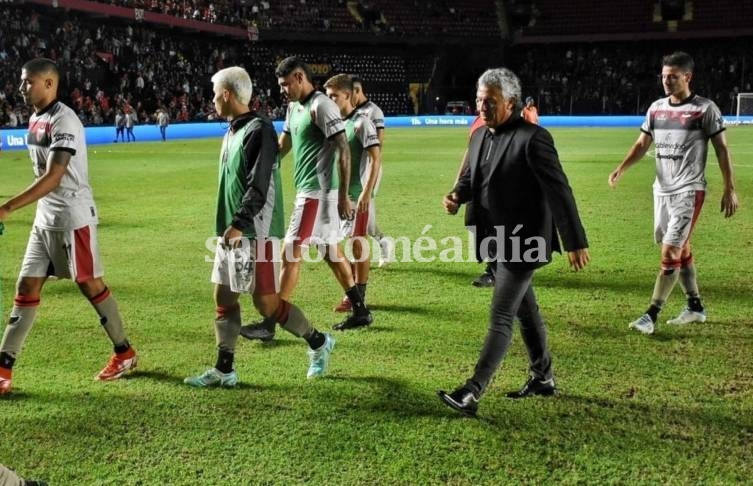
360	225
314	221
239	268
675	217
72	254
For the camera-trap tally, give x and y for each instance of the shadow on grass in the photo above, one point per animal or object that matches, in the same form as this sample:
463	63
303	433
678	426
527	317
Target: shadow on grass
725	334
16	396
385	395
464	273
625	284
413	309
163	377
611	422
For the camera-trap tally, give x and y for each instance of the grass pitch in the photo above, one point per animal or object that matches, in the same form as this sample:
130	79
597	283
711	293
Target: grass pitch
676	407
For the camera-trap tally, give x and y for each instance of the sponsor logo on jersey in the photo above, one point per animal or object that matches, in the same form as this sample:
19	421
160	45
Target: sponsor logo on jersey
64	137
671	119
39	133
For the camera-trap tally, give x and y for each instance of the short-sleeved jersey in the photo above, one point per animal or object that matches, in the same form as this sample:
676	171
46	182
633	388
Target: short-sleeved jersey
311	124
372	112
681	133
71	204
249	194
362	135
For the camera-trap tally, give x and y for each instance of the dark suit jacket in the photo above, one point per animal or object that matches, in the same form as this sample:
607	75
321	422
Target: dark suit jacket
527	187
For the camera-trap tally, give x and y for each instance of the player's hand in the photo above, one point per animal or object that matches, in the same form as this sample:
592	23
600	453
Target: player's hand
345	208
614	177
4	213
729	203
363	202
450	203
231	237
578	258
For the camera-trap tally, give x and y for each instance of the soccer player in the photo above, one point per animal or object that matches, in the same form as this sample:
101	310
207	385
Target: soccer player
680	127
249	223
63	239
364	171
315	132
367	107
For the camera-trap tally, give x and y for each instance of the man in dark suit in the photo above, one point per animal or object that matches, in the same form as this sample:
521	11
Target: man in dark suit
521	195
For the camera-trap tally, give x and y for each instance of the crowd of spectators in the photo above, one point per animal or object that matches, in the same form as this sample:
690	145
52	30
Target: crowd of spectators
622	78
140	68
414	18
109	67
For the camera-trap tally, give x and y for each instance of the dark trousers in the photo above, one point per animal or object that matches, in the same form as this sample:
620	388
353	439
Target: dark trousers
484	229
162	131
513	297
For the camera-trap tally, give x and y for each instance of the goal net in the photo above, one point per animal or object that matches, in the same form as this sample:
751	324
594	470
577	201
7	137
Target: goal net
744	104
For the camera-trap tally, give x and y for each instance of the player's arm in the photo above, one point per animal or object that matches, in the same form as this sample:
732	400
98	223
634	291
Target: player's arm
729	198
285	143
343	168
375	154
57	163
636	153
260	157
378	121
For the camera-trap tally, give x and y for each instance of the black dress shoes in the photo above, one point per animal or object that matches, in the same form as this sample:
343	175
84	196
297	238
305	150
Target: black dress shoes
463	400
534	386
486	279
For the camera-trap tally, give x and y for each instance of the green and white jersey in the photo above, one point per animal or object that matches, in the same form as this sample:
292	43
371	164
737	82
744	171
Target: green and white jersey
311	124
362	135
681	133
249	195
71	204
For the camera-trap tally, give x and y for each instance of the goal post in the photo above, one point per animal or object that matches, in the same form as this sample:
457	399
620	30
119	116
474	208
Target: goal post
744	104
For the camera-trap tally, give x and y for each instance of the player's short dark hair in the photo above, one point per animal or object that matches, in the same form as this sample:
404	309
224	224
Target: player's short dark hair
341	82
41	65
679	59
290	64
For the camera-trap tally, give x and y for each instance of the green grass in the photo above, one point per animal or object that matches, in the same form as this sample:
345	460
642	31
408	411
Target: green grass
672	408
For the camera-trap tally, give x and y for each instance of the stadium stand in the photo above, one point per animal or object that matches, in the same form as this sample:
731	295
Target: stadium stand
395	46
